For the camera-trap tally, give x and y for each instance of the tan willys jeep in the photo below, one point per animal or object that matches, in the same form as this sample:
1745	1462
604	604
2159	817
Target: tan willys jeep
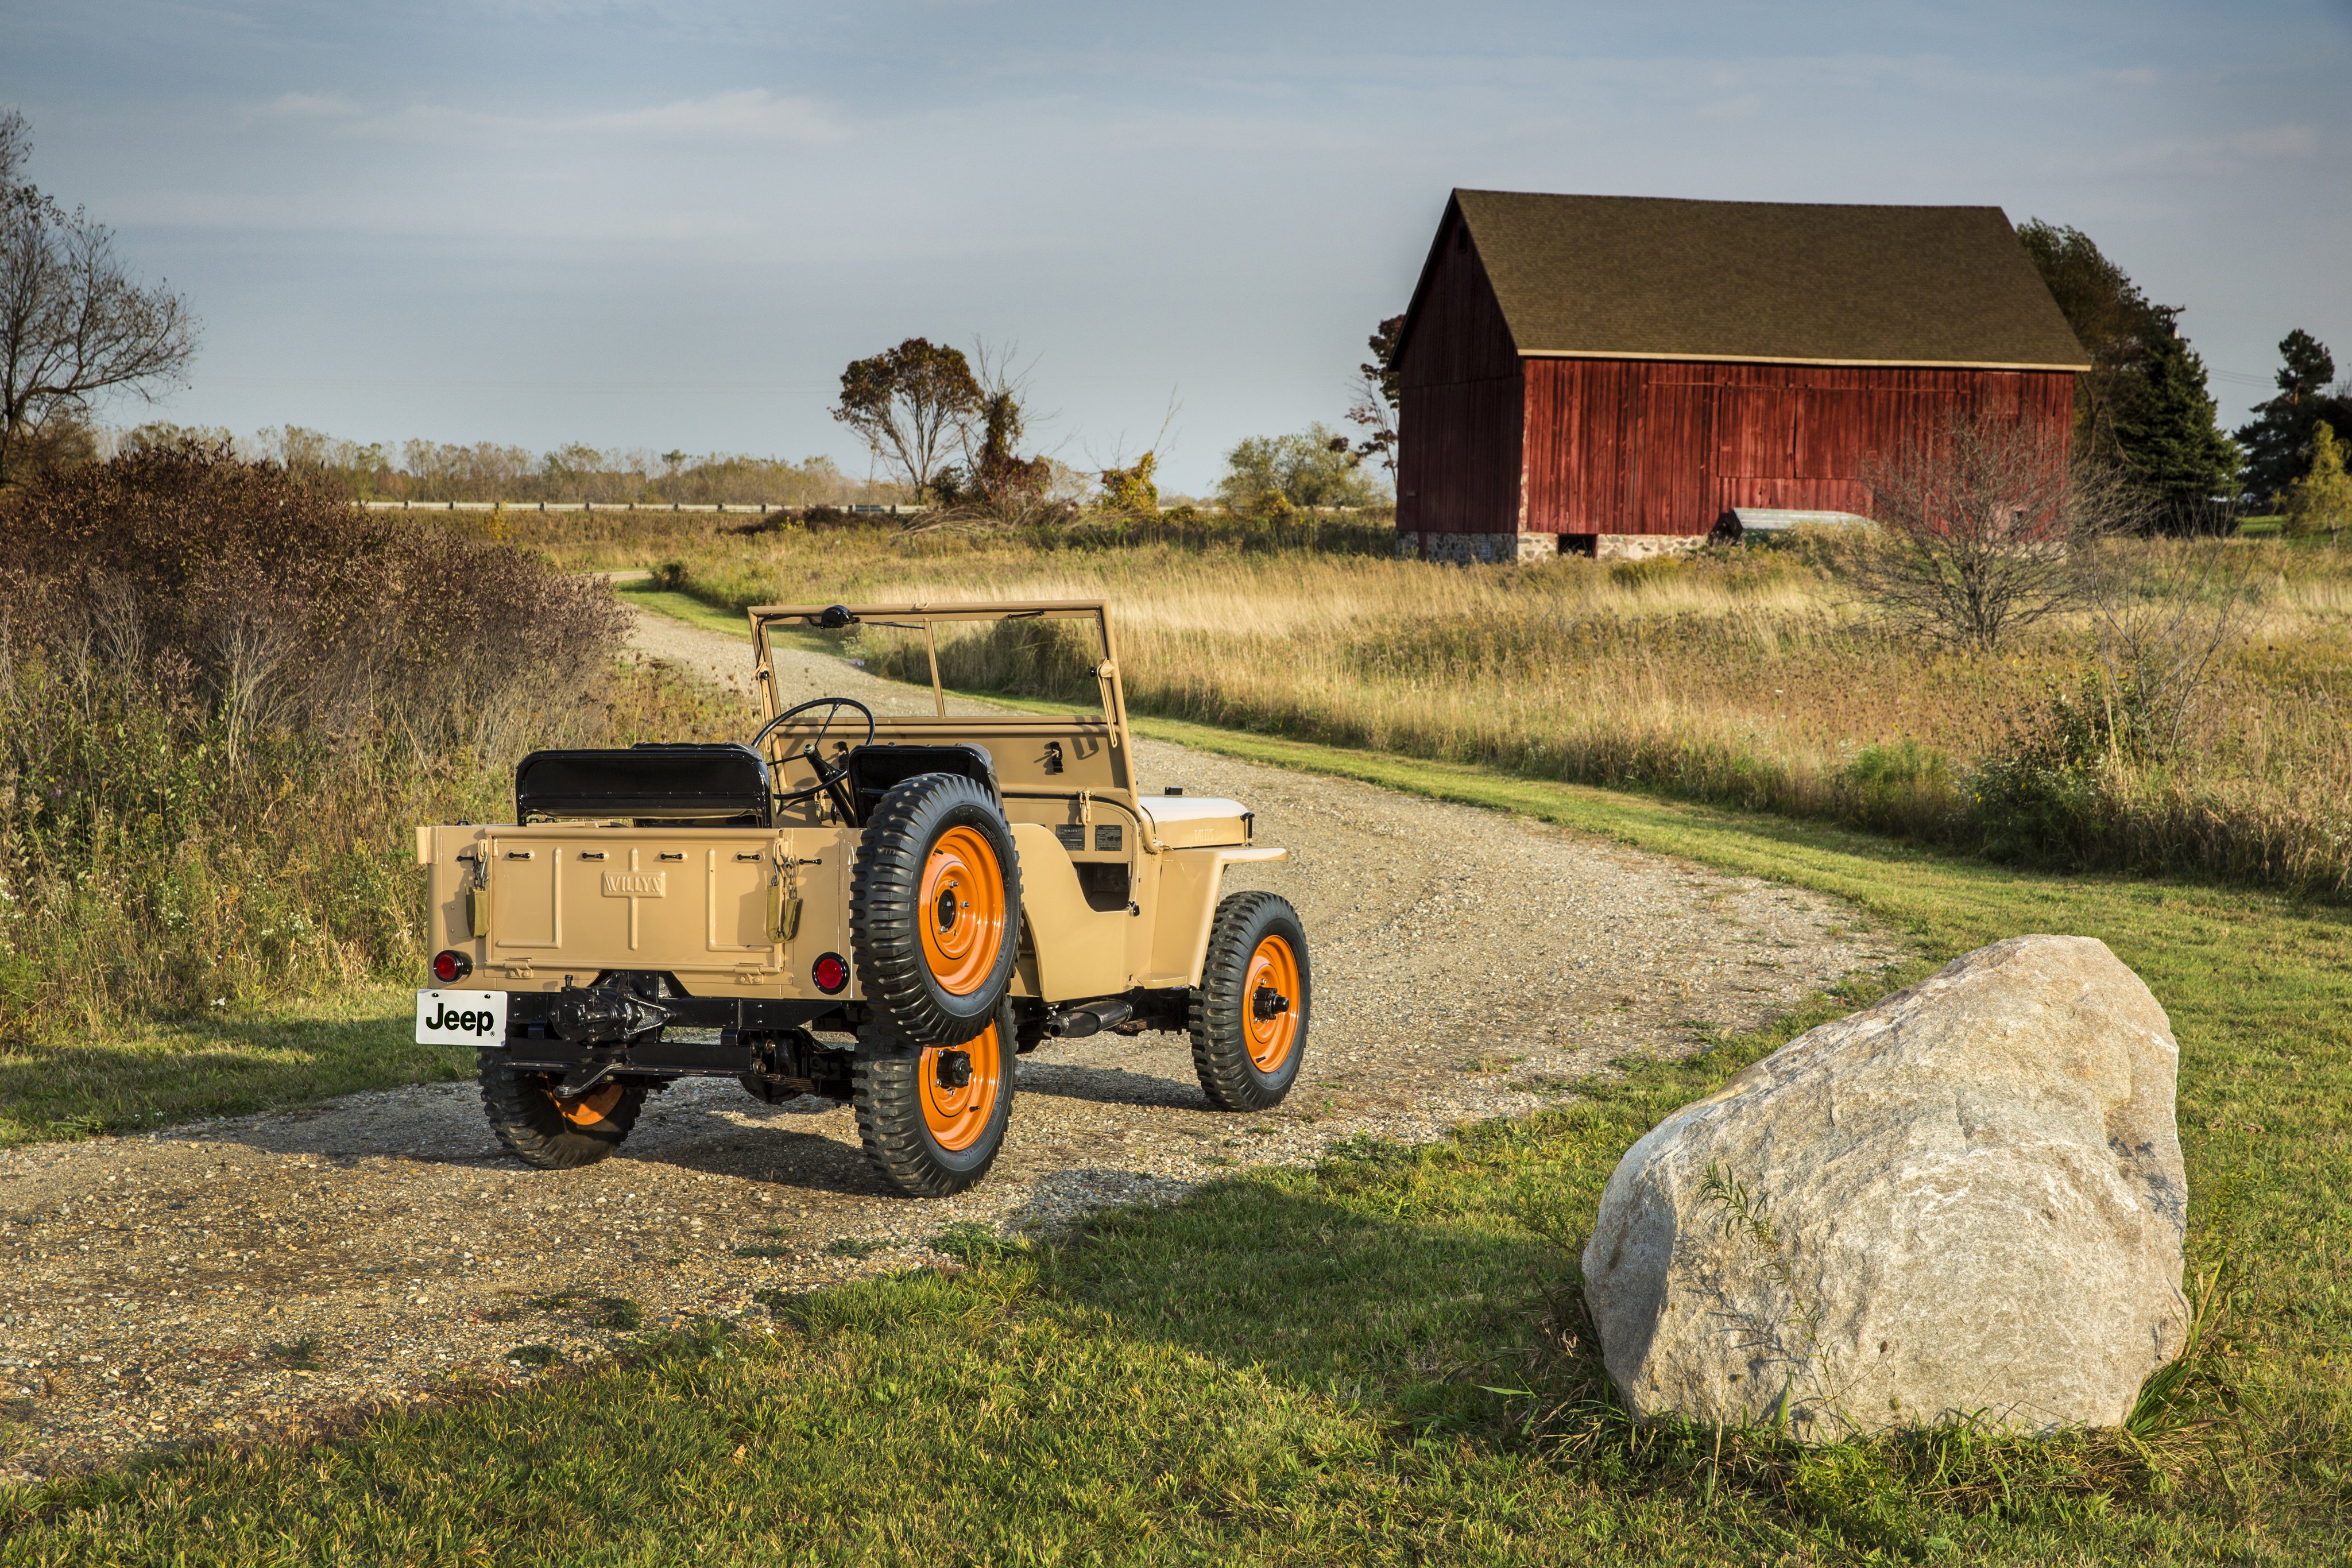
878	910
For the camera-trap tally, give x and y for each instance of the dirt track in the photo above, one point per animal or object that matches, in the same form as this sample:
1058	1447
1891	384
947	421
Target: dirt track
239	1278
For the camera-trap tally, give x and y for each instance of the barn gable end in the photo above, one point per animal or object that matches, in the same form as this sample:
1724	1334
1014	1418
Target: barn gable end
1616	374
1461	388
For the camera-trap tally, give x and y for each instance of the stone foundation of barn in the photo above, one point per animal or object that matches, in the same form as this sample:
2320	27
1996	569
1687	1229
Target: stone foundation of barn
1486	550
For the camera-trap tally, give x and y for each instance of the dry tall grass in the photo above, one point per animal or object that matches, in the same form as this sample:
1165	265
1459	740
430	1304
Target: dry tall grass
1758	678
226	697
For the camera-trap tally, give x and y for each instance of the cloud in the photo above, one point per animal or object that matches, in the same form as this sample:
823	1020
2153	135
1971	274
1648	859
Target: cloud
1739	108
309	106
752	116
755	116
2212	155
2278	142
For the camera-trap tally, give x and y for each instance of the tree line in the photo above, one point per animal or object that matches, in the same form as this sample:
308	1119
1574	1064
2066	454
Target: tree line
433	471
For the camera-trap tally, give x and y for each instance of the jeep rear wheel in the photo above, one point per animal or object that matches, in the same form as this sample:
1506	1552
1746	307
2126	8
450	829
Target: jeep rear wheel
932	1118
1250	1011
552	1135
935	909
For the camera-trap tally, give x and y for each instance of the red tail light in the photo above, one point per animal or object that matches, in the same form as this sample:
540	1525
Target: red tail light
449	968
829	973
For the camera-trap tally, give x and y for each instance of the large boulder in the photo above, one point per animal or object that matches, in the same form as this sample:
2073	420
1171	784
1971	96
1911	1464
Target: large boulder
1966	1201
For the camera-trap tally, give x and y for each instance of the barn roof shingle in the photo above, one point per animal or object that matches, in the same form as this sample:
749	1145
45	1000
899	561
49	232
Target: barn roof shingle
1657	278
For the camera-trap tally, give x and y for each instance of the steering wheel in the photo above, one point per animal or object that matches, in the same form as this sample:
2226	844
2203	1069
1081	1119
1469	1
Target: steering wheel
828	774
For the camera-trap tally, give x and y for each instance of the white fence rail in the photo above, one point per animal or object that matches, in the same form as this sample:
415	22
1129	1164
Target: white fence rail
740	508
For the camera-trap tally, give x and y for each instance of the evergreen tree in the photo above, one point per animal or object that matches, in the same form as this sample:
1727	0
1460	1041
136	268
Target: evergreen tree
2165	434
2278	442
2112	319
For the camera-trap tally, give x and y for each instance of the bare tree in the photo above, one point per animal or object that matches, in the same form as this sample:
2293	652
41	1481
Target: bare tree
996	477
913	404
1378	397
1980	530
16	146
1374	413
73	324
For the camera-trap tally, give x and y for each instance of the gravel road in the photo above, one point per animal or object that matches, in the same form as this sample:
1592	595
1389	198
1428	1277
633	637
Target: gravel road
268	1275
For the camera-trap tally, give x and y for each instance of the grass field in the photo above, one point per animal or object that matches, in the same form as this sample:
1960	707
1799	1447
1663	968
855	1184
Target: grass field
1755	678
1382	1361
151	1073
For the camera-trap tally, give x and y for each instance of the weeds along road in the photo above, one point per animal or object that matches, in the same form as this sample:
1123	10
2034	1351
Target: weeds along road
263	1275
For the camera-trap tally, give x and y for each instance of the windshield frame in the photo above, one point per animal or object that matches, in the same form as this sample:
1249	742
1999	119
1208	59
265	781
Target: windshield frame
925	616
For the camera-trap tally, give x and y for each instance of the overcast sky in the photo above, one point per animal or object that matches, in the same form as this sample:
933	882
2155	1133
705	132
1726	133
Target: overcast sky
669	224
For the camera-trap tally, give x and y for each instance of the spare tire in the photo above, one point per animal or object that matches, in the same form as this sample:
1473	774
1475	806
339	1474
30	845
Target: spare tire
935	908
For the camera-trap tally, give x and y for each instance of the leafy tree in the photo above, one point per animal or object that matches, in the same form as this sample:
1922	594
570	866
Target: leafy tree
2321	501
73	324
2278	442
2170	445
911	405
1316	467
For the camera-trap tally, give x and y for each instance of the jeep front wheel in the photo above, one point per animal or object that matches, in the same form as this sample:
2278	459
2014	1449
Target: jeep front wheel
552	1135
1250	1011
932	1118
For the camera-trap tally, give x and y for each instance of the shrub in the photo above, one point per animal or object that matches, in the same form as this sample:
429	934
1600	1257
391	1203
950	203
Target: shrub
270	601
225	696
2044	793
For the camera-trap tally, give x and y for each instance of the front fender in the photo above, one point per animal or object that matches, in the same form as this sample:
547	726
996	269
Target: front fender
1191	881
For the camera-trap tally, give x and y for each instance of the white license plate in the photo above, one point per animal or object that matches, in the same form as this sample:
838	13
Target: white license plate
461	1018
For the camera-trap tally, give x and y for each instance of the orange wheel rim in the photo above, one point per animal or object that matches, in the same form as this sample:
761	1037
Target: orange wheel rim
589	1108
957	1114
963	910
1270	1003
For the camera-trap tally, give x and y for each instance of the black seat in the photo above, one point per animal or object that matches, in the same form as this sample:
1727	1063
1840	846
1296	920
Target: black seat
875	769
654	785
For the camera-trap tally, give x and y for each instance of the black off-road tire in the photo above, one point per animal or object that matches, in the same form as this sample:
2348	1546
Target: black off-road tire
888	912
1229	1039
533	1124
888	1078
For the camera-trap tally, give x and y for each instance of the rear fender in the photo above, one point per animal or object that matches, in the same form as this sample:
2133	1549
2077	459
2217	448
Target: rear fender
1078	951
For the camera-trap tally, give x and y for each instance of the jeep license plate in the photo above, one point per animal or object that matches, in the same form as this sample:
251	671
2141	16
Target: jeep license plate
461	1018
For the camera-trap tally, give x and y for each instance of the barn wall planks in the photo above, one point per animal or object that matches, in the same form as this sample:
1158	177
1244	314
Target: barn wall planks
1458	470
1634	447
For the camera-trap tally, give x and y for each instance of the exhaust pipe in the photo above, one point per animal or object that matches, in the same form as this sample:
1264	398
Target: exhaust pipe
1073	1023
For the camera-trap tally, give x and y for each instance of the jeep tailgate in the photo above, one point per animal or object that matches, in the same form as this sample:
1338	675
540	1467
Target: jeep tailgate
728	911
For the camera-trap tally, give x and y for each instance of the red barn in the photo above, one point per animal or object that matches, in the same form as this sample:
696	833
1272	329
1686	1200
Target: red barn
1619	375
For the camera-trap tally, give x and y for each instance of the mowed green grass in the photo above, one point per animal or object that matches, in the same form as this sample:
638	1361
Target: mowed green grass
683	607
143	1076
1382	1360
